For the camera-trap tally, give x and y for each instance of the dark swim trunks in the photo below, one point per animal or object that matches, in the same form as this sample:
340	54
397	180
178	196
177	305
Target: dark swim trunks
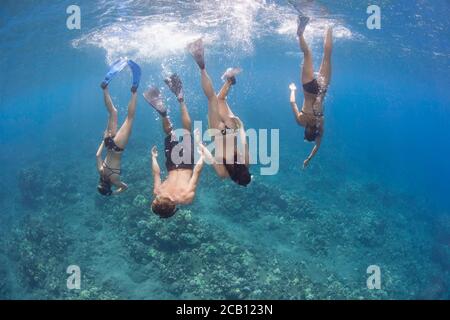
187	145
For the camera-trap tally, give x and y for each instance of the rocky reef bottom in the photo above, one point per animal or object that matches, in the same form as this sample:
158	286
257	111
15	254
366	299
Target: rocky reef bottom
266	242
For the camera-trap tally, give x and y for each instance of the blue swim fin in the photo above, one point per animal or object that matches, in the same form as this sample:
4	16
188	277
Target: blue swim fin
136	71
115	68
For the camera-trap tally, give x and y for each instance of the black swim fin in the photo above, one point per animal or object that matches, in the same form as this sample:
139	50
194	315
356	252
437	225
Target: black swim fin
175	85
302	22
153	96
114	69
198	52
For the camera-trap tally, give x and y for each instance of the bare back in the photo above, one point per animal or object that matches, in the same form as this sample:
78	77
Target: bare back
312	106
111	165
176	186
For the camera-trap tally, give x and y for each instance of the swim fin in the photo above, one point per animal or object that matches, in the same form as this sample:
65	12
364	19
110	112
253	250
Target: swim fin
136	71
230	75
115	68
302	22
153	96
175	85
296	5
198	52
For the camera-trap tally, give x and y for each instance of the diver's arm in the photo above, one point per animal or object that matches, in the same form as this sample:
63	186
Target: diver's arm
313	152
156	171
247	155
99	156
196	174
219	168
223	93
294	107
121	187
243	139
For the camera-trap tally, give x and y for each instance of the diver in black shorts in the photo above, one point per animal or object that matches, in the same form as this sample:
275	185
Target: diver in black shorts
183	174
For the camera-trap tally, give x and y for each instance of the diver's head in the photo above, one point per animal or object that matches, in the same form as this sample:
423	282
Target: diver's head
163	207
104	187
239	173
311	133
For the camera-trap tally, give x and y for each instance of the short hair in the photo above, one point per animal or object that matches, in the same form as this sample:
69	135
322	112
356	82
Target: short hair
164	207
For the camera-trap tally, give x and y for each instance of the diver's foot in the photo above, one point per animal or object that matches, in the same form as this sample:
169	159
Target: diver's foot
153	96
197	137
136	72
230	75
175	85
302	22
198	52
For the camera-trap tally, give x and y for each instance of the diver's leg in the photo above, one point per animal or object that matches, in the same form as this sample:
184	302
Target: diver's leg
325	67
167	125
223	93
112	111
208	89
307	68
187	134
197	51
225	112
185	118
124	133
226	115
207	85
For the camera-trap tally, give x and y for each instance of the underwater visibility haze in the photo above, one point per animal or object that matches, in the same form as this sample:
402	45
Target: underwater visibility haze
375	194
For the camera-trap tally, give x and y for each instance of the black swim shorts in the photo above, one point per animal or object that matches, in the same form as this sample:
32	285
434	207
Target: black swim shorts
178	160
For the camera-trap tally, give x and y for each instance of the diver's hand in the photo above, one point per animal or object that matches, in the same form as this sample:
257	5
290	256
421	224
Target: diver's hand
154	152
241	124
292	87
238	122
205	154
123	187
201	152
306	163
197	137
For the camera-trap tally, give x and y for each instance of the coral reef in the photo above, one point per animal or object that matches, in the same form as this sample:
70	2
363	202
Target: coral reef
39	250
30	183
4	285
272	243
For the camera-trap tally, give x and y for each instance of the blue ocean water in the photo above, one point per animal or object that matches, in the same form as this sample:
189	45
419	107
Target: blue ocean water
376	194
